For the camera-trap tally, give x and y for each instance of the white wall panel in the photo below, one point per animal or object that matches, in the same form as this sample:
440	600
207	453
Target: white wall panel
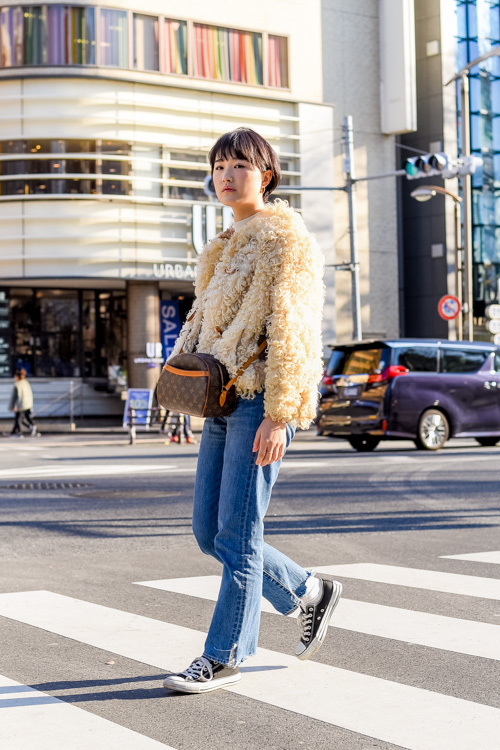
398	76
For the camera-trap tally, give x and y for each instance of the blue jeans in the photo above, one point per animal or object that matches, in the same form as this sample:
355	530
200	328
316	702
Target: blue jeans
231	498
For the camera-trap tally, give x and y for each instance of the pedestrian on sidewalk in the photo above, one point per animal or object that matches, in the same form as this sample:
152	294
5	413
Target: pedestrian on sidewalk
172	424
21	403
262	278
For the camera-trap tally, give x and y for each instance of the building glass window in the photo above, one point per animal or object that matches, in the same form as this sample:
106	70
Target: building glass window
477	32
147	170
90	167
35	45
11	37
114	38
146	56
115	171
66	332
175	47
66	35
278	61
57	342
23	317
71	35
104	332
227	54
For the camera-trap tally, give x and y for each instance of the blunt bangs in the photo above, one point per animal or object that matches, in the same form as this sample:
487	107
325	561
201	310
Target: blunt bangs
244	143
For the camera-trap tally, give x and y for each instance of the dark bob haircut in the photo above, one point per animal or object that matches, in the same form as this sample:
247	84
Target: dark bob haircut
244	143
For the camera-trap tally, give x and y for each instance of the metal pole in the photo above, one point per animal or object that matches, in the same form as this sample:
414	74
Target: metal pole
459	271
131	427
72	425
467	213
350	188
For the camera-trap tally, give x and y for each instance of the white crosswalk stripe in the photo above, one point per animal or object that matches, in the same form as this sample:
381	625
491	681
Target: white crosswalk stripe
485	557
434	631
91	470
39	721
431	580
409	717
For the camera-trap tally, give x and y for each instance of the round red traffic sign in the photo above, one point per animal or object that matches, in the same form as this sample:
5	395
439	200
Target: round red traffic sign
449	307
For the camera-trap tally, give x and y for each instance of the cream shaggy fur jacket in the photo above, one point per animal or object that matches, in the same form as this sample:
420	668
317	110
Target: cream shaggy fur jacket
265	277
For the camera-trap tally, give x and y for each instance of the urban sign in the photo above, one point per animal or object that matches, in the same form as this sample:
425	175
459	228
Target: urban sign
170	325
153	356
175	271
449	307
140	400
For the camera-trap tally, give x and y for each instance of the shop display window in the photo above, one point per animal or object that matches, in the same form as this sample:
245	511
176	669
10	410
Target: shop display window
104	332
113	46
66	332
175	59
71	33
11	37
146	53
67	35
227	54
57	339
278	61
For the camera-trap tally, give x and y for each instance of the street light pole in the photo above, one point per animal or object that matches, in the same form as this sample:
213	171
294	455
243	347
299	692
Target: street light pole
425	193
350	187
467	211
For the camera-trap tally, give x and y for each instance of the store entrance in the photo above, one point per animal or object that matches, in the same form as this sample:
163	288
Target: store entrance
67	332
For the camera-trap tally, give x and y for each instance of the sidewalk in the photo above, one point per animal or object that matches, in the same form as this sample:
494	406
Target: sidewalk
95	430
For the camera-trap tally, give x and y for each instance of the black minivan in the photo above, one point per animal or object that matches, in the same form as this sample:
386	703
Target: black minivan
426	390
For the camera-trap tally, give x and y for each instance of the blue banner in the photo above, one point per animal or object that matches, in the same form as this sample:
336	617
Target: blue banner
170	325
140	400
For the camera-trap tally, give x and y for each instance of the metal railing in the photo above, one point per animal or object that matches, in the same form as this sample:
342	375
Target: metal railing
156	415
74	389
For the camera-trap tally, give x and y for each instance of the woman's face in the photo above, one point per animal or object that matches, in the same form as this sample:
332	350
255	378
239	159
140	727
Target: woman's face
239	184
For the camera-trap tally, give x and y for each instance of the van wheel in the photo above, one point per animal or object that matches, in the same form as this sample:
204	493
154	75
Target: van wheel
433	430
363	443
488	442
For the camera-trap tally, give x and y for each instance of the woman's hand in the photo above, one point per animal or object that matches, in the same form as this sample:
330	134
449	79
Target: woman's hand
270	442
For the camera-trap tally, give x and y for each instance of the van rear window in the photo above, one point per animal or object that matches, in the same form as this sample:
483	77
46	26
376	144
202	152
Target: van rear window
358	361
455	360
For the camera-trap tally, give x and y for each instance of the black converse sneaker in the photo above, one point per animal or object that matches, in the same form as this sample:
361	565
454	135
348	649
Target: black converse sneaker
202	676
314	618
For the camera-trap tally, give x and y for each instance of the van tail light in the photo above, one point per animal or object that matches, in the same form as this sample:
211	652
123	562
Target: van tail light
393	371
384	425
327	380
388	373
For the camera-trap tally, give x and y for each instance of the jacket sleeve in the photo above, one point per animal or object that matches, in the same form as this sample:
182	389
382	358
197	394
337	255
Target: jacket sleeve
295	354
13	399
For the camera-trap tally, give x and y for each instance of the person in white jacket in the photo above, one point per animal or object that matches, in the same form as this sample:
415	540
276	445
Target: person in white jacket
260	279
21	403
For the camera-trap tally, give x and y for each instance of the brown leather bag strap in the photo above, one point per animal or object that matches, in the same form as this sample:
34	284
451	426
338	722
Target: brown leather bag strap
242	369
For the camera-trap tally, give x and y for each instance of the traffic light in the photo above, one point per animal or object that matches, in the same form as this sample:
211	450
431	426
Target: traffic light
427	165
440	165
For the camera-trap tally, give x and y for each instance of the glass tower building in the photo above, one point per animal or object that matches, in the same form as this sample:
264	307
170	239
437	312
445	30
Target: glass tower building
478	32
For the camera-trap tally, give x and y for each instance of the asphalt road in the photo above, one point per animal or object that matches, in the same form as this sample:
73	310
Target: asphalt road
411	662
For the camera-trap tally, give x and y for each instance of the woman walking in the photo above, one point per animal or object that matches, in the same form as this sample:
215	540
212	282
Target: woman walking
21	403
261	278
